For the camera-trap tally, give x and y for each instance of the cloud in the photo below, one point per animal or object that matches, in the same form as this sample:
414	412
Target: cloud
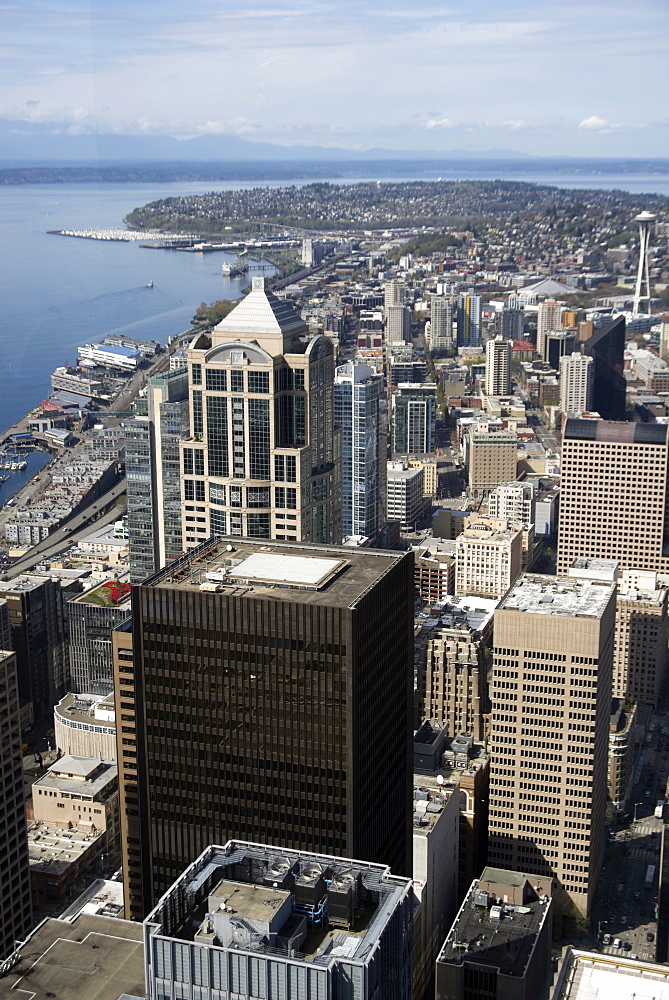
517	123
439	123
596	124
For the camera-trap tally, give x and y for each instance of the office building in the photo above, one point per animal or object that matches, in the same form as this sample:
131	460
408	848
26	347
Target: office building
405	495
152	439
513	501
583	975
606	347
492	458
85	725
452	687
622	753
551	700
5	628
435	876
79	793
398	324
38	636
263	459
441	325
613	497
393	293
500	942
642	634
511	324
92	616
260	671
15	908
576	379
414	417
488	558
557	344
248	920
358	391
498	367
434	573
549	317
469	309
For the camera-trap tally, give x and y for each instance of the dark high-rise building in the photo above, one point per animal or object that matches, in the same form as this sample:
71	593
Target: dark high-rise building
271	698
607	348
15	912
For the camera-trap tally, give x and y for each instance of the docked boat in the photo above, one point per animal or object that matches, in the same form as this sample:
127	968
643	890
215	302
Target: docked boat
235	270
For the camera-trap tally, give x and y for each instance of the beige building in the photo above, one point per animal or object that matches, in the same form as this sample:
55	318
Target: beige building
404	490
491	459
488	558
85	726
498	352
551	700
79	793
453	685
642	633
264	457
621	753
549	317
428	463
613	498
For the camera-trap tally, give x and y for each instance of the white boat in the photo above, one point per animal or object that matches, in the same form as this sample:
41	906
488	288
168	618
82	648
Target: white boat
149	284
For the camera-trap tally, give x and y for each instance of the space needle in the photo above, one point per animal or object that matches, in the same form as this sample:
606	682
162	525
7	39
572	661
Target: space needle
642	290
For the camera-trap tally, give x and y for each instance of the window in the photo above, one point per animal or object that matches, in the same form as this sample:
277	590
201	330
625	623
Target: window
259	445
196	374
216	379
218	520
217	494
257	496
193	462
194	490
258	381
258	525
217	435
196	397
236	381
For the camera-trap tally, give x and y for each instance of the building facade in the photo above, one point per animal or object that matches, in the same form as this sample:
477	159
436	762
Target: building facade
469	319
259	672
488	558
613	497
92	616
15	906
513	501
441	325
642	634
263	459
405	492
357	393
414	415
498	353
576	381
551	700
492	458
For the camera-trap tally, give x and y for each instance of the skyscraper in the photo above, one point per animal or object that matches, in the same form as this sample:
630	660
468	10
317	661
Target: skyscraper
606	347
492	458
549	317
441	325
613	500
263	459
152	440
358	391
498	367
398	324
469	319
551	701
271	689
15	908
414	416
576	378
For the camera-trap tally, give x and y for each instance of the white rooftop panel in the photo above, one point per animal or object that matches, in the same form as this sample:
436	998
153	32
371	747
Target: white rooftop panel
275	568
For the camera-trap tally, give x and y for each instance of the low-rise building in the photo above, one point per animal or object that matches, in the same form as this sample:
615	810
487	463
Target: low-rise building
124	359
85	726
500	942
404	494
584	975
79	793
488	558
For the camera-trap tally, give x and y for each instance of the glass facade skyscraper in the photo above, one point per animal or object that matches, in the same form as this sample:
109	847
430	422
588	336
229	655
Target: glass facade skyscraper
358	392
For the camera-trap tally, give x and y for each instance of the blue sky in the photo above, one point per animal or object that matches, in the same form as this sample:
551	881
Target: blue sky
562	78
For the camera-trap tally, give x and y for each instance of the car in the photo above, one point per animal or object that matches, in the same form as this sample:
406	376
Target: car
606	939
617	943
650	936
627	946
637	895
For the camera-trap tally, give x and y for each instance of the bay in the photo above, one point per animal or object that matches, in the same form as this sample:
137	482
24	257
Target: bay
59	292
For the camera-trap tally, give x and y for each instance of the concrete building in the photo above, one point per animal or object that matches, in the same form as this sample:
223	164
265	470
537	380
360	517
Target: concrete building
453	687
498	366
513	501
492	458
358	391
461	764
398	324
153	473
511	324
428	463
613	498
15	908
469	310
441	325
551	699
404	502
549	317
576	383
642	634
500	942
414	415
281	923
5	627
434	573
85	726
264	458
586	974
435	877
488	558
79	793
92	616
622	753
301	650
393	293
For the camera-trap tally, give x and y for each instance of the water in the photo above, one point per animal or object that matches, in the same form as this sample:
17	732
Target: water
17	480
58	292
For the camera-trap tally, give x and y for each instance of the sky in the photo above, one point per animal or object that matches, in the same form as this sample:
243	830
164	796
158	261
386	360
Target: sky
584	78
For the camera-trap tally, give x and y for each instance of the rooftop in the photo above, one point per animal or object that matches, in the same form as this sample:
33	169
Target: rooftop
614	432
57	960
587	975
82	708
110	594
549	595
475	612
53	849
260	312
337	576
124	352
84	776
489	932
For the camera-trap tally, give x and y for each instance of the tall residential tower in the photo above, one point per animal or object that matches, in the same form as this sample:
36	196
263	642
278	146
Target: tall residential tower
358	393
